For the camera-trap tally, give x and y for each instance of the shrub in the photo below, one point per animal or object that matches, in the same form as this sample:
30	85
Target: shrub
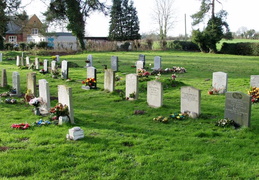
8	46
42	45
240	48
22	46
183	45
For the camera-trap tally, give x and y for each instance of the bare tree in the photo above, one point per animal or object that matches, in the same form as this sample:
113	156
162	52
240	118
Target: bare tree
164	16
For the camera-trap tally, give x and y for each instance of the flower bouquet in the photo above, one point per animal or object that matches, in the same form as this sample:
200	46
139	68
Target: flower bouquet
36	102
91	82
58	110
22	126
254	93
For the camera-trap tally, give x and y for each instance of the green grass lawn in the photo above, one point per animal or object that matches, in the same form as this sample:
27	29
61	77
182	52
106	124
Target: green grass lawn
121	145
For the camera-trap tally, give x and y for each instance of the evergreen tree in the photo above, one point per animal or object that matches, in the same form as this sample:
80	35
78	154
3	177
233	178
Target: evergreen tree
115	29
124	23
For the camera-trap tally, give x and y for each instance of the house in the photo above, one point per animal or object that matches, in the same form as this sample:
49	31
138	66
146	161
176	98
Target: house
24	30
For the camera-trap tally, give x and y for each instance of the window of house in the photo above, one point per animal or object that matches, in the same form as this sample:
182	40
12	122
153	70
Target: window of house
12	39
34	31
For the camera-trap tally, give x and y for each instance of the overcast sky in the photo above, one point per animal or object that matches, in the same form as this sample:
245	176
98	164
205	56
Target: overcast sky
240	14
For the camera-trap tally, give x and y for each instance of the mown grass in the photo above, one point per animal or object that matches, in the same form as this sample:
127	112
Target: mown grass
121	145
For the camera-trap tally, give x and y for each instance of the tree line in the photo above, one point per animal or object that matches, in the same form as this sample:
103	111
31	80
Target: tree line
124	22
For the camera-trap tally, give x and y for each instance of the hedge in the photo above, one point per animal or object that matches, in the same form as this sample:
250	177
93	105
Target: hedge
240	48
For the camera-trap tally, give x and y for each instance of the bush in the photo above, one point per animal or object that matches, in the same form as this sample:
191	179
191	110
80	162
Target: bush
183	46
42	45
22	46
125	46
240	48
8	46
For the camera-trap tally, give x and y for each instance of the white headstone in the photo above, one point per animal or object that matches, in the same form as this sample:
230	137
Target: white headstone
1	57
190	100
109	80
131	86
91	72
37	63
18	61
64	69
89	60
254	81
65	98
53	65
44	92
45	65
155	94
27	61
16	83
157	62
220	82
238	108
31	83
139	65
114	63
57	58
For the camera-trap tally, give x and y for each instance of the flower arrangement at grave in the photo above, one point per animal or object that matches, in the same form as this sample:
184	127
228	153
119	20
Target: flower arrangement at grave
178	116
143	74
41	123
10	101
254	93
42	71
169	70
91	82
5	94
55	73
214	91
161	119
36	102
54	58
58	110
224	123
28	96
21	126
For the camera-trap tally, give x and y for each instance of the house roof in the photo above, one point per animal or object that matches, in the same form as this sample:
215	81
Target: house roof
60	34
13	28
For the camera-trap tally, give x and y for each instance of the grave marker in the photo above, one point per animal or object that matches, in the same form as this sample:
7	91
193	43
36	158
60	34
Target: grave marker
44	92
142	57
1	57
4	78
22	61
109	80
53	65
91	72
18	61
57	58
155	94
114	63
89	61
27	61
16	83
131	86
37	63
254	81
191	101
31	83
238	108
139	65
64	69
45	65
157	63
220	82
65	98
